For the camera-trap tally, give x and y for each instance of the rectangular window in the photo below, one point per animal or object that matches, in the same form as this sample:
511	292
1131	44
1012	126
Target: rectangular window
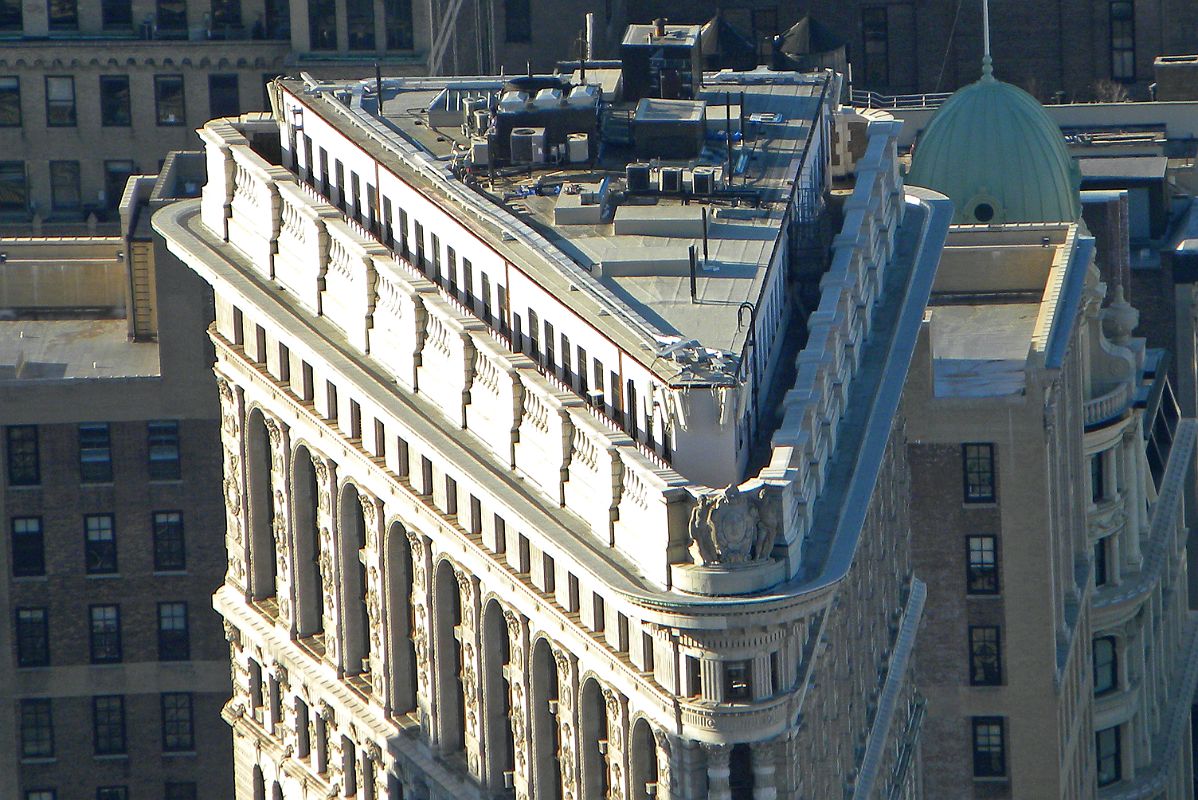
1106	665
163	436
14	191
112	793
485	294
95	453
11	16
176	790
1100	565
989	747
877	47
177	733
738	685
694	677
116	15
33	638
500	534
60	101
1108	753
108	725
24	468
226	17
468	284
978	462
116	175
168	100
41	794
985	656
981	575
105	634
359	21
534	333
436	248
1097	482
170	552
1123	40
322	24
171	19
63	15
28	547
476	515
550	347
451	269
174	640
517	15
10	97
599	615
224	99
64	185
99	544
397	16
37	728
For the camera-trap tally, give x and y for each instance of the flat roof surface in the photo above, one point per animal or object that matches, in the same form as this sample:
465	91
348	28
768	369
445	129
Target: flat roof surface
70	349
1141	167
981	350
741	237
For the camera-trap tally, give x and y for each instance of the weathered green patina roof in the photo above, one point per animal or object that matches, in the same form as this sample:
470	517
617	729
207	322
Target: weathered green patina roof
997	154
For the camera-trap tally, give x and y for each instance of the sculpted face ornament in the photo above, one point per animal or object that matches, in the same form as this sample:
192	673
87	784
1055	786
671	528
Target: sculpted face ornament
729	526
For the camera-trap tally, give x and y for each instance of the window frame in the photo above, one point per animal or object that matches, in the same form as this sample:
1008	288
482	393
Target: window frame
165	531
10	86
993	748
171	717
163	457
1115	757
55	107
105	645
95	452
224	78
112	793
168	120
110	730
1122	41
20	554
23	474
41	711
57	202
68	22
174	643
110	21
872	33
99	544
16	170
984	489
1112	666
985	668
981	578
115	114
32	622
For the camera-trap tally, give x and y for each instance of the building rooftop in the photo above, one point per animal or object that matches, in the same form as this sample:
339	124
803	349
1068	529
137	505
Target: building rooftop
618	218
67	349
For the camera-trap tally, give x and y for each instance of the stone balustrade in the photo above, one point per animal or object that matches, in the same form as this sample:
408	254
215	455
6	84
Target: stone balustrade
1108	407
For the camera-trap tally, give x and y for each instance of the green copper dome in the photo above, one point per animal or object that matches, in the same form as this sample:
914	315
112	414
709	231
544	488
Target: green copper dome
999	156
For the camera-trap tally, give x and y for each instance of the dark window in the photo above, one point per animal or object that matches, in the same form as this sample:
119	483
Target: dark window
174	641
28	547
64	185
14	192
10	98
435	242
398	16
10	15
738	684
176	790
108	725
37	728
278	20
517	15
981	575
322	24
1106	665
33	637
163	436
116	175
1100	565
168	100
874	29
226	18
99	544
1123	41
223	97
24	468
95	453
170	551
60	101
117	15
989	748
1108	753
451	269
359	22
112	793
171	19
176	722
978	462
985	655
1097	478
41	794
63	15
105	634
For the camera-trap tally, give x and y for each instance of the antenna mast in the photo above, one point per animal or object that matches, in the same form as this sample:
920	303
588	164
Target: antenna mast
987	68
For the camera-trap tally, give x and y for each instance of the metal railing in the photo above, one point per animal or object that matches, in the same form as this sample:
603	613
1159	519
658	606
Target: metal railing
867	99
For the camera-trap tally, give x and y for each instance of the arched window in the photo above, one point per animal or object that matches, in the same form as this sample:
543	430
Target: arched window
309	589
262	511
497	694
353	576
451	699
399	620
740	775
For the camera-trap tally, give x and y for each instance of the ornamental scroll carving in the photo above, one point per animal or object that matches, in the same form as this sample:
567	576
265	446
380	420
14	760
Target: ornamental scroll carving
231	487
616	756
519	703
729	526
665	786
565	720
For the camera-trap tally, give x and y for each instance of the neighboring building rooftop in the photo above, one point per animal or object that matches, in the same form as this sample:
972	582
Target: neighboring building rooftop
68	349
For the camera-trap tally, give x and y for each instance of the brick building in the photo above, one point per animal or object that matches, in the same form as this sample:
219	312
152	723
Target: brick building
113	666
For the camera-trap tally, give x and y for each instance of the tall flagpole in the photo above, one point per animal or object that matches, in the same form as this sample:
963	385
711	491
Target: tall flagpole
987	68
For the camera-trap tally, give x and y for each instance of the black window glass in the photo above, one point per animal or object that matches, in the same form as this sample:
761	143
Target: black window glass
95	453
223	96
359	20
28	547
982	571
24	468
177	732
33	637
985	655
99	544
322	24
170	552
176	790
116	15
173	638
37	728
168	100
64	185
989	748
164	449
1106	665
10	15
877	46
979	472
10	101
108	725
14	193
398	15
226	19
171	19
63	15
1108	754
105	624
116	175
115	108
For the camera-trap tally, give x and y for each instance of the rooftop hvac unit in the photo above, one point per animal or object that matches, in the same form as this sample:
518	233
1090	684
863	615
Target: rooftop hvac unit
670	180
512	102
703	180
482	120
583	96
578	148
528	145
547	99
471	107
637	176
480	151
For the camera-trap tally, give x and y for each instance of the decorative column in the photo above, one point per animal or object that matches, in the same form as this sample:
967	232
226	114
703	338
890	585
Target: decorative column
279	441
422	631
665	779
617	737
371	556
333	751
232	407
326	493
718	771
765	757
517	628
468	637
567	722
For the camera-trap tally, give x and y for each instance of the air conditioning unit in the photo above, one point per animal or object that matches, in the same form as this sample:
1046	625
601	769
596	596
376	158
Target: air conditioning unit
670	180
703	180
637	177
480	151
578	148
528	145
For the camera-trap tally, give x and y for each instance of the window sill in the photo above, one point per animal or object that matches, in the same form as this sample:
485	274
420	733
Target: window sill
169	573
39	760
178	753
111	757
103	576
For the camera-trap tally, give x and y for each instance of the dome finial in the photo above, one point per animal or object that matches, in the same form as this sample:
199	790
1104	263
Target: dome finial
987	63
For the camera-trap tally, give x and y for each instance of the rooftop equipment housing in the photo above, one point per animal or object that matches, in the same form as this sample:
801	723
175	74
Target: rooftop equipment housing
662	61
544	102
673	129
